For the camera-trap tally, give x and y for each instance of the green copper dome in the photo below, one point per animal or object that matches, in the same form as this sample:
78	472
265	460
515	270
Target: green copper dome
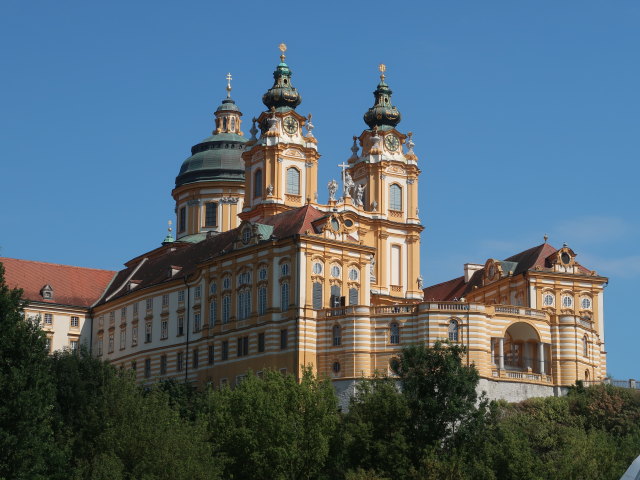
383	114
282	94
218	157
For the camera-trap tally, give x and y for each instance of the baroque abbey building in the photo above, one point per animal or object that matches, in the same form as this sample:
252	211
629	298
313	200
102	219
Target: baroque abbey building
261	275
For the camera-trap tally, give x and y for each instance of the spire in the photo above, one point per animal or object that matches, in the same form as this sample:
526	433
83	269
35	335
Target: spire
229	78
282	94
383	113
169	238
228	114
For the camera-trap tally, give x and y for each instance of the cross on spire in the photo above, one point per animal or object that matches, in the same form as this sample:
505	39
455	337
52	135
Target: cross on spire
229	78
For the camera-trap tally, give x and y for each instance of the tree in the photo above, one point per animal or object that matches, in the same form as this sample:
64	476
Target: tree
272	427
116	430
26	393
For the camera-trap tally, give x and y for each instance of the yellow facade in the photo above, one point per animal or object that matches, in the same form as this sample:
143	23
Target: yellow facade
285	281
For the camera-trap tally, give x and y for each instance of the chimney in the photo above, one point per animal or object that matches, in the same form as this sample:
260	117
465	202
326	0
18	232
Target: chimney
470	269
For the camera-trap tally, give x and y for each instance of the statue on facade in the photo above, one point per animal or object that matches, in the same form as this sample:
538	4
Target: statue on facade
333	188
359	194
420	282
348	185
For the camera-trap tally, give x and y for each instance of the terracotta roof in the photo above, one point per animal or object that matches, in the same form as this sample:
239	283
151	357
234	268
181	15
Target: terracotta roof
445	291
531	258
293	222
76	286
155	269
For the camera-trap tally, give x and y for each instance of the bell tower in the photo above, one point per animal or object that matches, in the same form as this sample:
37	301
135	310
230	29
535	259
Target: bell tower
209	189
281	164
389	177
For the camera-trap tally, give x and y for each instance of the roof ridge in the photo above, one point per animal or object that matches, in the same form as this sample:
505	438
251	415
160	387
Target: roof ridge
55	264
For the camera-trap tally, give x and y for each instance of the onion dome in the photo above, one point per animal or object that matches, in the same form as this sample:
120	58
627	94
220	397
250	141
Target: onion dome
383	114
282	96
218	157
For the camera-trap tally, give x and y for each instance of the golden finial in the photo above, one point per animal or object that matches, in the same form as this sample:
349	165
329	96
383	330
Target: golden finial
382	67
229	85
283	48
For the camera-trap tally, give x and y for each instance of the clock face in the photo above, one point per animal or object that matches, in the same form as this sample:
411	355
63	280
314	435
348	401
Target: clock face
290	125
392	142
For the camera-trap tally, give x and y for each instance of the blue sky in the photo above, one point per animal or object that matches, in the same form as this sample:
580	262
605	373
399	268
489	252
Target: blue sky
525	118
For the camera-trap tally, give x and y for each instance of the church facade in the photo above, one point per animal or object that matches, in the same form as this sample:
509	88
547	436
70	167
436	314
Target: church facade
261	275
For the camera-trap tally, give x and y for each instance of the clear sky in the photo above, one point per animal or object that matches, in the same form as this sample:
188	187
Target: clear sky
525	118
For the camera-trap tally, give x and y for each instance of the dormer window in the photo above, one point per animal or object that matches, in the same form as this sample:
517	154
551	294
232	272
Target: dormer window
47	292
565	258
246	235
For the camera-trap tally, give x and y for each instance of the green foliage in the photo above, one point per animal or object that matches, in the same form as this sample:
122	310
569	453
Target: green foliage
116	430
272	427
26	393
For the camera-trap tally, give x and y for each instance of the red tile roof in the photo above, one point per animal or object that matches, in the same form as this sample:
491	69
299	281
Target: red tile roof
445	291
529	259
293	222
77	286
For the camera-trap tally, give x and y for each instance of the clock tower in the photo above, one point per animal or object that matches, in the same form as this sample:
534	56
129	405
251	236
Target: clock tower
389	178
281	164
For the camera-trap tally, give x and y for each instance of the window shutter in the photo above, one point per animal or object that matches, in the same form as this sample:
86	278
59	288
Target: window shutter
317	296
353	296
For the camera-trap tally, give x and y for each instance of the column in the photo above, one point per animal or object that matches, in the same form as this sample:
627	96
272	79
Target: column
493	352
541	356
527	355
501	352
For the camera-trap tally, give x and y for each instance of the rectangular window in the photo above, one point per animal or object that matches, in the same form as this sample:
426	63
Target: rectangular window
180	326
149	304
75	322
211	354
211	214
317	295
147	367
147	332
164	329
48	319
196	358
165	300
396	265
135	309
74	345
261	342
123	338
284	296
181	296
225	350
213	313
226	307
112	317
163	365
243	346
197	292
283	339
134	336
99	346
123	313
353	296
182	220
262	300
111	342
179	360
197	322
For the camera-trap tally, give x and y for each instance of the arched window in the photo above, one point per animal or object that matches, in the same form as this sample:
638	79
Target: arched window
395	197
453	331
233	124
257	183
337	336
293	181
284	296
585	347
394	334
317	295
